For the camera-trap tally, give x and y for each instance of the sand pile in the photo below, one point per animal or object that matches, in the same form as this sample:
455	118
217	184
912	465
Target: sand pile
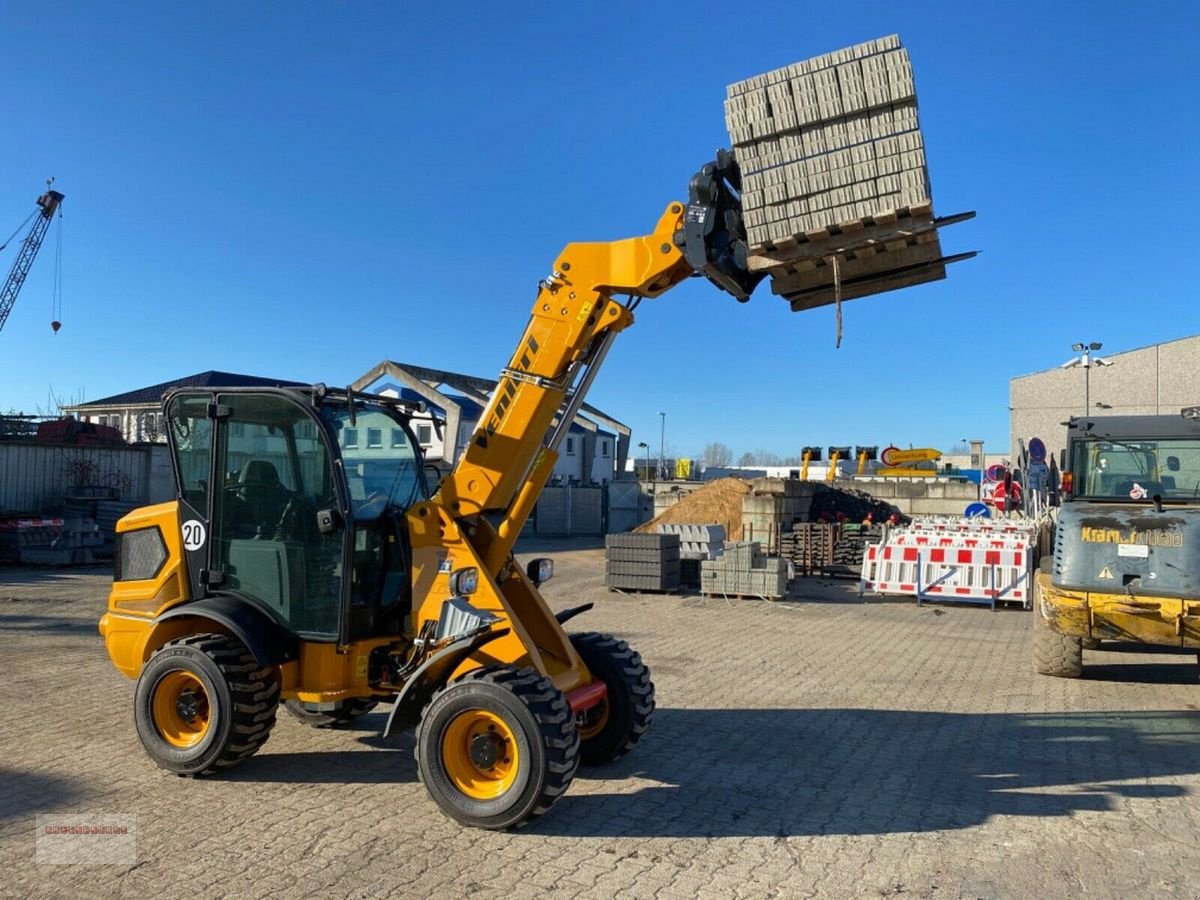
719	502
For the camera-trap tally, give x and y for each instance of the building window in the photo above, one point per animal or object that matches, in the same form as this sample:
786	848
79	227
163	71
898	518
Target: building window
398	437
374	437
350	437
604	448
424	435
570	446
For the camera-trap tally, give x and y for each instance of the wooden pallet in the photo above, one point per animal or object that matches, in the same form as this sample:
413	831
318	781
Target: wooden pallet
820	241
818	291
708	596
663	592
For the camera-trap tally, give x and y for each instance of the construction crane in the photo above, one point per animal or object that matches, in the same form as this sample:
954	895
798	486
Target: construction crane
48	204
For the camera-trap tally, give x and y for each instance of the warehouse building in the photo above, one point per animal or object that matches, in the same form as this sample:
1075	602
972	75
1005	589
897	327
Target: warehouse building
1159	379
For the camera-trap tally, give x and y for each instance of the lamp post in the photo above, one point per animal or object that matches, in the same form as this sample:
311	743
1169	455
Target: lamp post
646	447
1086	360
662	446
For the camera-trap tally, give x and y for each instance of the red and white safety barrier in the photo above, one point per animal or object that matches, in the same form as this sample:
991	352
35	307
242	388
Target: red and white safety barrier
951	568
976	525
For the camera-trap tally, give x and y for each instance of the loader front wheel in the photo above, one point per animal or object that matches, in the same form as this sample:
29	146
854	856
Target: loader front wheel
1058	655
347	712
203	704
497	747
611	729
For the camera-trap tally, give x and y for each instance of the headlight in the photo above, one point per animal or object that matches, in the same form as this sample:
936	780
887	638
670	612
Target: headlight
463	582
540	570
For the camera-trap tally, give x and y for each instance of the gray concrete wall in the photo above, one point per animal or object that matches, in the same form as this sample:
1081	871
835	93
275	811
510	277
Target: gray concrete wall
922	498
1155	380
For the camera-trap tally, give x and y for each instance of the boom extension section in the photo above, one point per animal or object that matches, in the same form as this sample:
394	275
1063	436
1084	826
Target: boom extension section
574	320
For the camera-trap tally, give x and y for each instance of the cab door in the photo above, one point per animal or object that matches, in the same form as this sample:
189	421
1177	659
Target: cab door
272	474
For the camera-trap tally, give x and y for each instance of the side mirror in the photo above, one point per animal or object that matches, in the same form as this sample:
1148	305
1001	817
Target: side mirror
540	571
328	521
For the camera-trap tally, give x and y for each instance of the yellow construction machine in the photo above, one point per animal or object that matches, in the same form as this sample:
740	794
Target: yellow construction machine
304	561
1126	558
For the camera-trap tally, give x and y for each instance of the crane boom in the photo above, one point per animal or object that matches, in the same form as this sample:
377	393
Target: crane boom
48	202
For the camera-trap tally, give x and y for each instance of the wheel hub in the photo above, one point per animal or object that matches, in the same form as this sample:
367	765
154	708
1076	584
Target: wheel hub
187	706
485	749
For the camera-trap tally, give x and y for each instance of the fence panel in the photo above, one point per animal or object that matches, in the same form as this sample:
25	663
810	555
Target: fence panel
34	478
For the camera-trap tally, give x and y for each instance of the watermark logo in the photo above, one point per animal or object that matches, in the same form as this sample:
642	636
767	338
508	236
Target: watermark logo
86	840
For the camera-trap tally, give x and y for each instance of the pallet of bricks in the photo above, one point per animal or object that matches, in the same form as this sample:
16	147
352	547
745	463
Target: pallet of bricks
809	546
641	562
835	187
743	571
696	543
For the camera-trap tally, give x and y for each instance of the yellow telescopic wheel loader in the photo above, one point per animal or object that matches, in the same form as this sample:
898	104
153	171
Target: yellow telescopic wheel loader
304	561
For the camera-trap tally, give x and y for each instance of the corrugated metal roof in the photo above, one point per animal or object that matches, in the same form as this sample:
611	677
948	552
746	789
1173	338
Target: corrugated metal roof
209	379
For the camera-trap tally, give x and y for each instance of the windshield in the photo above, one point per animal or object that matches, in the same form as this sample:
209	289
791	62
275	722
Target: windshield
1138	469
383	466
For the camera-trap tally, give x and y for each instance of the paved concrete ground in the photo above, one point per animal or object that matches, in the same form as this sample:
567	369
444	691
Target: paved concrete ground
823	747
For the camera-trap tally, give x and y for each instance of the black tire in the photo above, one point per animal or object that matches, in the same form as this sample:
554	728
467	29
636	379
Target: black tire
626	713
347	712
232	701
1055	654
540	728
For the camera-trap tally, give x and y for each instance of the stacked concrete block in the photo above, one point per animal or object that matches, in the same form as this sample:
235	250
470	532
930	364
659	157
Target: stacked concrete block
827	141
743	570
642	562
697	541
772	505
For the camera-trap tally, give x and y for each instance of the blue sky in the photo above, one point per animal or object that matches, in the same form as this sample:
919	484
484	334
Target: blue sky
301	190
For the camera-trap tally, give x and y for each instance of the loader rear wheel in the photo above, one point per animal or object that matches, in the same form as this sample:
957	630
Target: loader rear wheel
497	747
611	729
203	704
1059	655
347	712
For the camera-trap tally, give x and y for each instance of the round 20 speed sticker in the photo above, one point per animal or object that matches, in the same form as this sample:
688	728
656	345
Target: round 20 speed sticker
193	534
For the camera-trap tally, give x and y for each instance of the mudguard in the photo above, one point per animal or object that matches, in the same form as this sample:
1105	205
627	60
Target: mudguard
430	676
270	643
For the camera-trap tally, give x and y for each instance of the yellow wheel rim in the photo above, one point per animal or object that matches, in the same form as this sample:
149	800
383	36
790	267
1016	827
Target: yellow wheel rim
181	709
594	721
479	753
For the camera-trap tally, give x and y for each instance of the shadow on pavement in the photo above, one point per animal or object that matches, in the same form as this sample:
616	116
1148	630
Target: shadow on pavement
29	793
730	772
24	622
385	764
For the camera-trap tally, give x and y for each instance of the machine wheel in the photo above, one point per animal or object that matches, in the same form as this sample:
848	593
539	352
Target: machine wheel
497	747
611	729
204	704
330	718
1054	654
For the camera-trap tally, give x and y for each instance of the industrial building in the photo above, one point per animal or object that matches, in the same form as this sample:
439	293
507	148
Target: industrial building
1154	380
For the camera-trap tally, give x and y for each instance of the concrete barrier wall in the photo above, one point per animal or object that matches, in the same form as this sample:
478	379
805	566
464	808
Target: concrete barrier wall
921	498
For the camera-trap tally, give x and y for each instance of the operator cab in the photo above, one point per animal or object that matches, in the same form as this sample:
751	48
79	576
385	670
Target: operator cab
294	500
1128	459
